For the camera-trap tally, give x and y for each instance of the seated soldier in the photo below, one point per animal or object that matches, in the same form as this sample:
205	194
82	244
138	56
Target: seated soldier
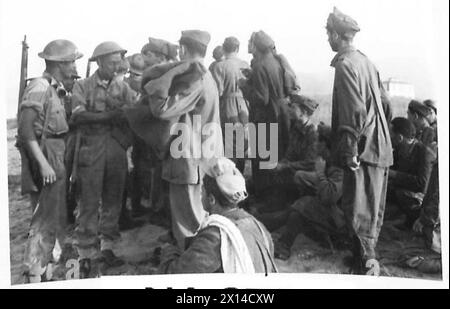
300	156
229	240
408	177
317	212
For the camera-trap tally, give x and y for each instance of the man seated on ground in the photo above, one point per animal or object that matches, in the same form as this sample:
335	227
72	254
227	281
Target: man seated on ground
317	213
300	156
229	240
418	114
409	176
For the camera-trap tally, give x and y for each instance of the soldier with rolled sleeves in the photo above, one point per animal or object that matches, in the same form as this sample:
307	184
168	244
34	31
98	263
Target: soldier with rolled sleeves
102	161
42	126
362	142
195	107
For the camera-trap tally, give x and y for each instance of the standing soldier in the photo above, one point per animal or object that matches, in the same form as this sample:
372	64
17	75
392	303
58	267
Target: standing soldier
265	91
200	101
361	140
42	128
218	57
233	107
102	159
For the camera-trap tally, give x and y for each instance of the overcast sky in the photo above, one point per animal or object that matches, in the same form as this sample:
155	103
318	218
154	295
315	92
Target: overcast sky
403	37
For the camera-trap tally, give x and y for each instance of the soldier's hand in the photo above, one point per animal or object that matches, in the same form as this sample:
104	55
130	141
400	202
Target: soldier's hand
48	174
418	226
352	163
320	165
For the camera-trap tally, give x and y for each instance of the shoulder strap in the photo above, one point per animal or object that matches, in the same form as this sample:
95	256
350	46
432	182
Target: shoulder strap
48	95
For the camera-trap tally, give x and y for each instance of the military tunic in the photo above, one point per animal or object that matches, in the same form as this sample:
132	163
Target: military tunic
360	130
48	202
102	162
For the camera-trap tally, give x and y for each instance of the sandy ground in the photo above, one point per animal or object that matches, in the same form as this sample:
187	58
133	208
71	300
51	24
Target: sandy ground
136	246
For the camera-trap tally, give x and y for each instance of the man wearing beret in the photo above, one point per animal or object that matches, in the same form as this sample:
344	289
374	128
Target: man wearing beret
361	138
229	240
193	107
233	107
98	103
265	91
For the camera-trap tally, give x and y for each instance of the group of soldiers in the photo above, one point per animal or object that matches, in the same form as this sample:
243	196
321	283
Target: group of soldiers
88	144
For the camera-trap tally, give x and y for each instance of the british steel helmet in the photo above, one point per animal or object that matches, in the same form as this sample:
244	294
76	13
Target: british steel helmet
107	48
137	64
60	50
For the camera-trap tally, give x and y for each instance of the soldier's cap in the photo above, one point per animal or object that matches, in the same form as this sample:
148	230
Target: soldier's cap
431	104
418	108
263	41
107	48
304	102
137	64
198	36
60	50
229	180
160	46
230	42
218	52
343	24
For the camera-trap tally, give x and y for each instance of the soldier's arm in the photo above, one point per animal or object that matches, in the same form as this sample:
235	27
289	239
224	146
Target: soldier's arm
351	111
31	105
81	116
385	101
430	211
329	189
202	256
217	74
416	182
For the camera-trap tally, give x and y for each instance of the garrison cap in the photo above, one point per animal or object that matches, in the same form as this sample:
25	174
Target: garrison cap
262	40
419	108
343	24
218	52
304	102
198	36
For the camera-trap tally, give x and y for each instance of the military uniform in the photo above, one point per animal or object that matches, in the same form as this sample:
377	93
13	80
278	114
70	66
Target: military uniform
360	130
233	106
48	202
265	92
102	163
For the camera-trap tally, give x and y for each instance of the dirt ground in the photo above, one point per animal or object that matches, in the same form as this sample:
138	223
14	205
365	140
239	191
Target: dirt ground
136	246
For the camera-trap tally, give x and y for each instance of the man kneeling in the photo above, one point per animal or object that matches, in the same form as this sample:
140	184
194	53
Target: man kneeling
229	240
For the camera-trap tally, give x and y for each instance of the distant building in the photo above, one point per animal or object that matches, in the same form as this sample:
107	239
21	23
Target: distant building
398	88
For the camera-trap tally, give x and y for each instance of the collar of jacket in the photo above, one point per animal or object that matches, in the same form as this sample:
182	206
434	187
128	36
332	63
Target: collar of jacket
51	80
100	82
340	53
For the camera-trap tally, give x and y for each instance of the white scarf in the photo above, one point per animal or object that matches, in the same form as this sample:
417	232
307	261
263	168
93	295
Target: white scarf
235	255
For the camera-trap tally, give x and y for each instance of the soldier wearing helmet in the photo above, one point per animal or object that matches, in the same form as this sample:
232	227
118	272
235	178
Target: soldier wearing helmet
98	103
42	126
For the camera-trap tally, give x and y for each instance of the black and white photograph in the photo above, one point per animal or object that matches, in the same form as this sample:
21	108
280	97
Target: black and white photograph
248	144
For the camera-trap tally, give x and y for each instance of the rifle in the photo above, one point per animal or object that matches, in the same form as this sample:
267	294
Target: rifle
88	69
23	72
